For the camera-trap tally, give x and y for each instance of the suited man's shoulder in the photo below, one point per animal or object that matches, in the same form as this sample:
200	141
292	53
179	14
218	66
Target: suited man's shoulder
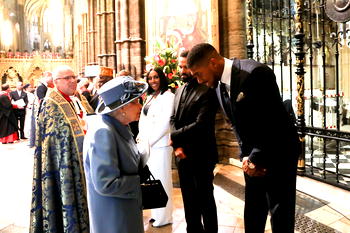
250	65
179	90
205	90
41	87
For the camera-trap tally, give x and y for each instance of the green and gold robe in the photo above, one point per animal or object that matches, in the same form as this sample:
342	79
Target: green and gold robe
59	201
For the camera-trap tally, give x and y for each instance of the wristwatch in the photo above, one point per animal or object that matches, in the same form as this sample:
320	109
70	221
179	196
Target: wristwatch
251	165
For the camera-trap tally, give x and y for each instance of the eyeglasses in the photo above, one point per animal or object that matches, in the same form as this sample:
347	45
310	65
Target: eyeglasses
68	77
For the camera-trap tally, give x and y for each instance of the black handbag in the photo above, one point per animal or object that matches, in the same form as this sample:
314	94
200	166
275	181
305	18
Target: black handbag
153	193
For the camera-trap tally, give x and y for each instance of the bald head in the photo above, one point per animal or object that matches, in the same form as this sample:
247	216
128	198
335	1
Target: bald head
60	71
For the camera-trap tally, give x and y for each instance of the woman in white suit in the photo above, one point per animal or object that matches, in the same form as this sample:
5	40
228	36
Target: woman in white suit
154	128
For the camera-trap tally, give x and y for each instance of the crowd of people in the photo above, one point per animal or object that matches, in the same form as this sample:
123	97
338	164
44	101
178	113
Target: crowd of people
45	54
89	151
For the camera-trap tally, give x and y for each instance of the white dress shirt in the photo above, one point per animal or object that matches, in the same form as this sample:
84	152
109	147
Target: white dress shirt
226	79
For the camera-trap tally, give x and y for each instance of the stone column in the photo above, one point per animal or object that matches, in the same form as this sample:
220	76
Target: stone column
92	33
84	42
137	34
110	33
105	28
99	31
130	43
232	28
78	49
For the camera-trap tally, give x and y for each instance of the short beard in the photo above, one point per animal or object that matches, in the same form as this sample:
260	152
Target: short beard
186	78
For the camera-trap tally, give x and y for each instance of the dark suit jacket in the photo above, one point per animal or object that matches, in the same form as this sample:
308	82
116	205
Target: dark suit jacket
41	91
94	101
265	130
193	124
14	96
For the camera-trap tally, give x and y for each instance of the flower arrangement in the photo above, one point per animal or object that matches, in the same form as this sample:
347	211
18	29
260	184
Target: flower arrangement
166	59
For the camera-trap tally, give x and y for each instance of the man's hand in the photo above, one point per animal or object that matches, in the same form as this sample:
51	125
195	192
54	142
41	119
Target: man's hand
179	152
251	169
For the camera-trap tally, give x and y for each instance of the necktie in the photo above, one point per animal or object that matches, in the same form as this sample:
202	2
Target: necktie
226	102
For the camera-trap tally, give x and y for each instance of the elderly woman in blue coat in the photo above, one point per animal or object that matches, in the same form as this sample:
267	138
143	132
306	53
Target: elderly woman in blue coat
111	160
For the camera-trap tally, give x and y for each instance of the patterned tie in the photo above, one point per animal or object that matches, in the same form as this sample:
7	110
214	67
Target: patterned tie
226	102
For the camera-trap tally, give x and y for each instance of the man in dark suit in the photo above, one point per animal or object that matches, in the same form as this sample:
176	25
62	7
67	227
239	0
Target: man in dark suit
249	95
20	99
193	139
46	82
101	75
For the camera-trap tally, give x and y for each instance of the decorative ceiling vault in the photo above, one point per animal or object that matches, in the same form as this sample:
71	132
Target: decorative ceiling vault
35	7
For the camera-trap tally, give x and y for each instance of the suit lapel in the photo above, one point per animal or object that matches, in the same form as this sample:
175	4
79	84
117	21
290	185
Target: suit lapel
235	80
177	99
190	97
15	95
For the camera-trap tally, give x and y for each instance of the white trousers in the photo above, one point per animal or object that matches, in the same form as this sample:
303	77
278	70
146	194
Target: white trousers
159	164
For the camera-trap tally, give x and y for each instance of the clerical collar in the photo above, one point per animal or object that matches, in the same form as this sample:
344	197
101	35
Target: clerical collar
65	96
226	74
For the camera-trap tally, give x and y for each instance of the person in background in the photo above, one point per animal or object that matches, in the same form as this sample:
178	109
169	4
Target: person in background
112	160
102	75
250	98
20	99
40	93
123	73
59	201
154	128
193	139
83	88
45	83
29	108
8	120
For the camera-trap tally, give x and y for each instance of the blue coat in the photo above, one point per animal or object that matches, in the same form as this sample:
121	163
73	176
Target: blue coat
111	162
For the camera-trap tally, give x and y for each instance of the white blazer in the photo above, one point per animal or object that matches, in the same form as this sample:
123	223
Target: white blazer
154	129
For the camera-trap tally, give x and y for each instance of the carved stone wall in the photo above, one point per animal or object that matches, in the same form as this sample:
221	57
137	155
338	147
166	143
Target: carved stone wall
30	69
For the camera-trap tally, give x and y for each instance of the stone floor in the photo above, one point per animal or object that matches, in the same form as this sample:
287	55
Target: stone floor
320	207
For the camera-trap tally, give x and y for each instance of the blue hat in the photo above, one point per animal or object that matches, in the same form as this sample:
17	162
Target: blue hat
119	92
